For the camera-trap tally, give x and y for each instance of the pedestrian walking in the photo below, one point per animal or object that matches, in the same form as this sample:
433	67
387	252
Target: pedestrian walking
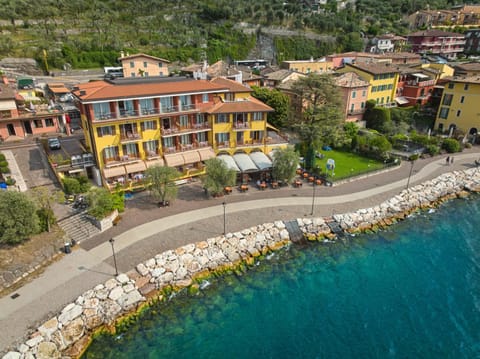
451	160
447	160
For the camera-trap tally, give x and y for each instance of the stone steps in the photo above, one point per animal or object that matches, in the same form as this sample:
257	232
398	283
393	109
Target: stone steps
78	227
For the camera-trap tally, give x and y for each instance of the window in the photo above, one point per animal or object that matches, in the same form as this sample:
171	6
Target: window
199	119
168	142
185	140
110	153
229	96
450	85
221	138
38	123
205	97
148	125
389	87
257	116
362	105
202	137
466	87
132	74
221	118
166	104
352	108
106	131
151	148
364	93
49	122
130	149
101	111
447	99
186	102
146	104
241	117
132	64
388	99
459	112
160	64
462	99
354	94
183	121
145	74
443	112
145	64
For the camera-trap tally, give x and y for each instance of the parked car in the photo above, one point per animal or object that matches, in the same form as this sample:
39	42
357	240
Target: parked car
54	143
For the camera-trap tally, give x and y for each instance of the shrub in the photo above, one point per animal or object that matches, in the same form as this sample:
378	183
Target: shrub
4	170
44	216
433	149
451	145
2	157
3	163
10	181
468	145
71	185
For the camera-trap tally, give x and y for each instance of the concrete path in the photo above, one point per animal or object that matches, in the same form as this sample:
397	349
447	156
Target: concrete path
88	265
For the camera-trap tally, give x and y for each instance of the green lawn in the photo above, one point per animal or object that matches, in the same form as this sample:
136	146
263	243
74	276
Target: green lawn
347	164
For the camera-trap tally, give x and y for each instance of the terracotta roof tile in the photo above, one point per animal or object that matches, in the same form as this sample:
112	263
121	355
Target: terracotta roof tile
143	87
437	33
250	105
375	68
134	56
6	93
233	86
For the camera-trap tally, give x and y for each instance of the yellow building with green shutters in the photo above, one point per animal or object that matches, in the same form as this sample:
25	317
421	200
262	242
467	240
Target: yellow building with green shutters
132	124
458	110
383	79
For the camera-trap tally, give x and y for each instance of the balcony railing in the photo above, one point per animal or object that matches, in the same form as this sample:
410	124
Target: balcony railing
196	127
129	136
144	112
241	125
152	154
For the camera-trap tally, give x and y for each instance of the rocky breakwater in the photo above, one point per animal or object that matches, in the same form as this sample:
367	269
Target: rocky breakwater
426	195
68	333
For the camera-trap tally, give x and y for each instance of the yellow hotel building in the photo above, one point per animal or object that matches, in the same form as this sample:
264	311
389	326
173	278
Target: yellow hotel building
458	108
131	124
383	79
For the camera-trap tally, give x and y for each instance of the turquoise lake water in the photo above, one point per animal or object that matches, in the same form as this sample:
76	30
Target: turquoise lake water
412	291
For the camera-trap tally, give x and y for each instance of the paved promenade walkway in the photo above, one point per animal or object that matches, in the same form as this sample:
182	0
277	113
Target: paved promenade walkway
141	234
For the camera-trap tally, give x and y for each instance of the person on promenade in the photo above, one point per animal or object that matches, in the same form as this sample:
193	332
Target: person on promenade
447	160
451	160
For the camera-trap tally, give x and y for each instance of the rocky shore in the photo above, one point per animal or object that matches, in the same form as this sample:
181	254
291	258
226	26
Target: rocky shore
68	333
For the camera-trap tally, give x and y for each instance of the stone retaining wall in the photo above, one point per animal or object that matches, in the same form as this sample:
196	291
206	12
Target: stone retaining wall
68	333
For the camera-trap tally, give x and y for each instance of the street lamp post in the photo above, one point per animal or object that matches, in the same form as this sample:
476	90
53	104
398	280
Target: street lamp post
224	217
313	197
412	159
112	241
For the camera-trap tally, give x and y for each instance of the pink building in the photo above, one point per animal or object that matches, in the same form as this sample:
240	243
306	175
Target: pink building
355	92
437	42
19	120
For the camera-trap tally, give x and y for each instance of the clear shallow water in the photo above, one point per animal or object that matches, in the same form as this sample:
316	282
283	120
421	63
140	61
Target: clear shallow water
410	292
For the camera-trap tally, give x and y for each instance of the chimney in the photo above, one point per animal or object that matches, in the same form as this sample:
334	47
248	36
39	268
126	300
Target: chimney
122	54
83	92
5	79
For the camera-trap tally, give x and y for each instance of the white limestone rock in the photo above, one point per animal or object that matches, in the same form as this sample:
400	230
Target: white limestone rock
12	355
71	314
158	272
123	278
116	293
33	342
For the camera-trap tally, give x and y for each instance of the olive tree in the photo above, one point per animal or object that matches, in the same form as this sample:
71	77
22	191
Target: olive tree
18	217
161	182
45	199
218	176
285	162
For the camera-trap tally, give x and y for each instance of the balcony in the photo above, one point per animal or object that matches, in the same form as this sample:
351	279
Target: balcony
111	161
129	137
177	129
144	112
240	125
152	154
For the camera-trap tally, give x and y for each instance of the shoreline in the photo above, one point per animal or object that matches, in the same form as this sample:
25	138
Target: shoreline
70	331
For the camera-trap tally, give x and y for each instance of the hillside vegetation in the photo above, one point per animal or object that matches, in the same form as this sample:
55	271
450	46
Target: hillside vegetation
91	33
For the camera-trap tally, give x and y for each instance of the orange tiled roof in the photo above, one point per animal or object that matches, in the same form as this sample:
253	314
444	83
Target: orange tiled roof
375	68
128	88
134	56
233	86
250	105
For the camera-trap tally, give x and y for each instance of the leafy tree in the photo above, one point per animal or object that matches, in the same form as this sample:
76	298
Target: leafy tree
320	121
161	182
218	176
285	162
278	101
75	185
100	202
45	199
378	118
18	217
380	146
